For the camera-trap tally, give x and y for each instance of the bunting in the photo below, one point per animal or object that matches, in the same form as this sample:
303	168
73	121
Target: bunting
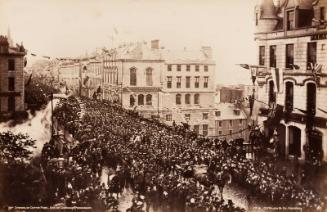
277	75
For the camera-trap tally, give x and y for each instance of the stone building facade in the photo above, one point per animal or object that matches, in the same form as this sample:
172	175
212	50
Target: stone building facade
11	77
292	39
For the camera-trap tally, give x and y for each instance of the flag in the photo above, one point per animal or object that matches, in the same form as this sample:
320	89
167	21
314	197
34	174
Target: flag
29	80
246	66
315	70
277	75
253	74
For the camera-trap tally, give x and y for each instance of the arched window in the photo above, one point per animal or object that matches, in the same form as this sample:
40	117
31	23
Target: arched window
271	93
148	99
311	98
132	76
289	93
196	98
140	99
178	99
148	73
131	100
187	99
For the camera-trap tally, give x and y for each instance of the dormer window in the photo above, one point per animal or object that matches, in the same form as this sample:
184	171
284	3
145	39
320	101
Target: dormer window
237	112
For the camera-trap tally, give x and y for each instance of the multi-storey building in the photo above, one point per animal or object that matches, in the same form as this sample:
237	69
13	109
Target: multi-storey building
230	122
189	89
292	51
11	77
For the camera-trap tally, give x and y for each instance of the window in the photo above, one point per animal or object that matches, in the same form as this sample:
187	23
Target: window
262	55
197	99
140	99
237	112
289	96
187	99
205	116
256	18
220	132
197	82
169	82
230	132
290	20
169	117
197	68
188	68
311	99
205	68
11	65
131	100
187	116
11	103
304	17
148	99
231	123
205	130
11	84
149	81
196	129
178	99
188	82
169	68
133	76
179	68
271	93
322	13
178	82
217	113
206	81
311	55
241	122
289	56
272	53
220	123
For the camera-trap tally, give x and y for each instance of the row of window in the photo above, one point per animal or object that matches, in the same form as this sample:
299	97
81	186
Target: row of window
179	67
140	100
187	99
205	116
289	96
148	77
289	52
220	123
187	82
196	128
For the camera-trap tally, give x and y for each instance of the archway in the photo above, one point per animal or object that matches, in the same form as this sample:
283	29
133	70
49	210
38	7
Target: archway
294	137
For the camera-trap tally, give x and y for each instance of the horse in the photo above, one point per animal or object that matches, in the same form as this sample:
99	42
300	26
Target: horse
221	178
114	184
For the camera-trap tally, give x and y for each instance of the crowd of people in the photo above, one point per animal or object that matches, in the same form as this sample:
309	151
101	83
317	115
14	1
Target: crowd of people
157	162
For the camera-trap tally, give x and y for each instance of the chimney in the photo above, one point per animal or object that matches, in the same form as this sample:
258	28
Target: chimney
155	44
207	51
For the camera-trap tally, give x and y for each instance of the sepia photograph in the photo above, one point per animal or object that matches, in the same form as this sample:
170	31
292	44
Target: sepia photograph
163	105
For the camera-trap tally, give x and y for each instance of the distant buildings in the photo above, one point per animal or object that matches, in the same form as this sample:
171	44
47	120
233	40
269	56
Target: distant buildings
158	83
231	122
11	77
292	51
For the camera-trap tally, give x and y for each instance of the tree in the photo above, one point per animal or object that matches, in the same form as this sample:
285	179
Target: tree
15	147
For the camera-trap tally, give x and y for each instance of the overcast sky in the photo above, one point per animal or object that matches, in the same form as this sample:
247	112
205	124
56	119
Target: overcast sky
59	28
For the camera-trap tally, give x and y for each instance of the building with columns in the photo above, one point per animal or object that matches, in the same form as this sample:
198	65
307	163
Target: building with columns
12	62
292	76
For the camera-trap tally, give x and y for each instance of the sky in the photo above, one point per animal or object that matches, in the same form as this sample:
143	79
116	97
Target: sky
60	28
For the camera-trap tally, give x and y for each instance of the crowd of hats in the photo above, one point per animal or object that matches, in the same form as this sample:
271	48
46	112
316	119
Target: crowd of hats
153	159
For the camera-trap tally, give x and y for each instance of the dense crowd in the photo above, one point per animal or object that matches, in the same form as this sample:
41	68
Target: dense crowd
157	162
